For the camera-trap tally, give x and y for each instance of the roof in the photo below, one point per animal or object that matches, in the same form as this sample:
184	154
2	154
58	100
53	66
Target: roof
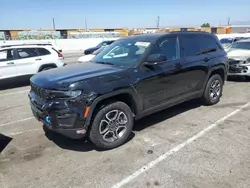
155	36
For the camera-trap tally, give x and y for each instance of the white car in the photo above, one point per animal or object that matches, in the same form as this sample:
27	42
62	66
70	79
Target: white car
239	58
28	60
89	57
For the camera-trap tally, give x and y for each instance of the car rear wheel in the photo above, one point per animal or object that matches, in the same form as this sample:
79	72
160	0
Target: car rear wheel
213	90
112	126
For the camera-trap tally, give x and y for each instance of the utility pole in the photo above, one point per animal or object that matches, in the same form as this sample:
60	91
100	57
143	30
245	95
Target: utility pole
54	27
228	21
86	25
158	22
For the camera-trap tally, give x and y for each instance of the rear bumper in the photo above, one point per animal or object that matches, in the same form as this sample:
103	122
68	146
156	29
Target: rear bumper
59	116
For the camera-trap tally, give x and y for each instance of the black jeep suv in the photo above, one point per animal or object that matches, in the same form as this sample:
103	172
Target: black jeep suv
133	77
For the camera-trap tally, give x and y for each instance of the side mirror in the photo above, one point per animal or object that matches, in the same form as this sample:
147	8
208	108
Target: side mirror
154	59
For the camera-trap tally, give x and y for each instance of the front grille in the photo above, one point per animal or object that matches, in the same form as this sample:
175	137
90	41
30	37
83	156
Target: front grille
40	92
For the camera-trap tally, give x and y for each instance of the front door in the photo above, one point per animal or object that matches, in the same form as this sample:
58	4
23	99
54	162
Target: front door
159	83
7	64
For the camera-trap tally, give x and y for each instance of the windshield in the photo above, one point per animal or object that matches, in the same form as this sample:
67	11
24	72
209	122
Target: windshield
226	41
104	43
125	52
241	45
98	51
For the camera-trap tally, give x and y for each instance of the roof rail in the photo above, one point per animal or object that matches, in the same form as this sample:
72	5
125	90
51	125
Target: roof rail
189	32
35	44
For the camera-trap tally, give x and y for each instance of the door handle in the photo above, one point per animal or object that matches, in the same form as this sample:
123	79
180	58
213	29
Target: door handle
10	63
177	65
38	59
205	59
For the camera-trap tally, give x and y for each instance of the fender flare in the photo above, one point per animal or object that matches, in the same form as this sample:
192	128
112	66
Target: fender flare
130	91
212	69
47	65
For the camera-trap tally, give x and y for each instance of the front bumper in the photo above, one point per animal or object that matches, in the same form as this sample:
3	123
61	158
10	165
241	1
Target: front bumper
60	116
239	70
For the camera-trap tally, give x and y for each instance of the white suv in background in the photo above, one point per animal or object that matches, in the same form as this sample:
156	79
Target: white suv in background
28	60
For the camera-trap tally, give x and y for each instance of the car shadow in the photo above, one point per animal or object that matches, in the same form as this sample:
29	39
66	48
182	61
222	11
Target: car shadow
80	145
4	141
12	83
166	114
238	79
83	145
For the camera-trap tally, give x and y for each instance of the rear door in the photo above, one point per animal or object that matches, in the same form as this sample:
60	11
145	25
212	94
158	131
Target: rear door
196	64
7	64
26	61
44	56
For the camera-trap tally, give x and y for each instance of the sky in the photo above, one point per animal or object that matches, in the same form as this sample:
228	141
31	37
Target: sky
36	14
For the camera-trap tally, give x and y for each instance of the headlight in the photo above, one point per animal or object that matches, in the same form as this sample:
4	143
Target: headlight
64	94
247	61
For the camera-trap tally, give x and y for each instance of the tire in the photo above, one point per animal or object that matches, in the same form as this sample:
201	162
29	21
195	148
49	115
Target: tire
103	131
217	91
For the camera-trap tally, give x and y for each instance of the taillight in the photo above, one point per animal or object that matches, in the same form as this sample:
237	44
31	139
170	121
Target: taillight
60	55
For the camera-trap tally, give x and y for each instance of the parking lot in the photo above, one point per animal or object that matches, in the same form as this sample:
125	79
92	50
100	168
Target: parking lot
190	145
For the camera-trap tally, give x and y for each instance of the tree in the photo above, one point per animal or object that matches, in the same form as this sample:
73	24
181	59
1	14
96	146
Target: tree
205	25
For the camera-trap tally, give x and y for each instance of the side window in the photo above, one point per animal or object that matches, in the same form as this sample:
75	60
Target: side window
194	45
6	55
26	52
169	47
189	45
208	42
43	51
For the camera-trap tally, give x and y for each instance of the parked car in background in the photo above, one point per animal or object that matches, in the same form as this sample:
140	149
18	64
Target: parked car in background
227	42
28	60
89	57
104	43
239	58
129	79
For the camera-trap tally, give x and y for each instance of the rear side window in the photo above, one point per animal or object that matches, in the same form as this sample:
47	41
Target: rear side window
43	51
194	45
208	42
26	52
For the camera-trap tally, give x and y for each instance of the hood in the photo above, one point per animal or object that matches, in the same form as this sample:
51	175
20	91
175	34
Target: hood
86	58
92	49
238	54
64	76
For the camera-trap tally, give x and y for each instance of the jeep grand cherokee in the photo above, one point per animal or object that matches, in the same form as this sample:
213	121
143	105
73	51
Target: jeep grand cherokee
133	77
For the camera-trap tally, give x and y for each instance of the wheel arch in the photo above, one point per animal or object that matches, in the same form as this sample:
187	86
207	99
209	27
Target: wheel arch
47	65
127	96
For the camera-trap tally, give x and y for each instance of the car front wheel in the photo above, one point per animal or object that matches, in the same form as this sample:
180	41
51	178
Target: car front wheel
111	126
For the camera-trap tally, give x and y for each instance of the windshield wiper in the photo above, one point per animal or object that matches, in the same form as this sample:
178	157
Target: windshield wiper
103	62
207	51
